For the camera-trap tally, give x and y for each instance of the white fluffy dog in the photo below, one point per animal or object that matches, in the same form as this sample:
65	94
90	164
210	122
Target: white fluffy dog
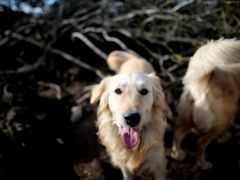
132	116
211	95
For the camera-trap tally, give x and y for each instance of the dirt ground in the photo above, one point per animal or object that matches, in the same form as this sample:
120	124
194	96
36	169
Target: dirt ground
48	66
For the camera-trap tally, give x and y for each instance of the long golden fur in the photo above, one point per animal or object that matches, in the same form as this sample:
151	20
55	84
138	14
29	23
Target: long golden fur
134	75
210	98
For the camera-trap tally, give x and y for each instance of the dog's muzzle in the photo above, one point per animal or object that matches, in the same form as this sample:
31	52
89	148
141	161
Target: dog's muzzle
130	133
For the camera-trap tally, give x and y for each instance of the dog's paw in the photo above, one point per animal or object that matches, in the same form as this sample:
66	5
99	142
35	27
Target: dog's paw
224	137
205	165
128	178
177	154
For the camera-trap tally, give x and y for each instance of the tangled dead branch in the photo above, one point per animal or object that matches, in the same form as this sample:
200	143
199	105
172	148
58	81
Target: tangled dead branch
61	55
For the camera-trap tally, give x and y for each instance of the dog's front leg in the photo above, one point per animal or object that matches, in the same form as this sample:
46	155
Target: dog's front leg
127	175
159	175
158	163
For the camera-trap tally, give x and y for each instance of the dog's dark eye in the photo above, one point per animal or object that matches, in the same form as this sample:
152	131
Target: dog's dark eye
143	92
118	91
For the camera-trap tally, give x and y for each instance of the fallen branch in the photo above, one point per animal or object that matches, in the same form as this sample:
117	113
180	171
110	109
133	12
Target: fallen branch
89	44
64	55
115	40
52	86
136	13
25	68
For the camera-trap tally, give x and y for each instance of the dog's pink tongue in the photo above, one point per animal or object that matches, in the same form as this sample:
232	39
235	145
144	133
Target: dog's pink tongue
130	137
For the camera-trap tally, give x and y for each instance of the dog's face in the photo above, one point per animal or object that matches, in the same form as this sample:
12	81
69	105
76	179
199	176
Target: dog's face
131	98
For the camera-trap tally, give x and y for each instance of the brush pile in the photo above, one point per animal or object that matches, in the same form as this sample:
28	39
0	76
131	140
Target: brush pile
49	64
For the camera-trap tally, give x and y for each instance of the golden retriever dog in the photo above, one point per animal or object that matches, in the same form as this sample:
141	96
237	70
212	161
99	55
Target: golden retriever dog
132	116
210	98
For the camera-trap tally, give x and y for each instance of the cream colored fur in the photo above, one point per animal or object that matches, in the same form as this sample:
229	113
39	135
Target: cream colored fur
210	98
134	74
214	54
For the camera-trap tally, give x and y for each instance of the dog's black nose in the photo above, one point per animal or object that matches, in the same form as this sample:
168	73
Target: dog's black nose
132	119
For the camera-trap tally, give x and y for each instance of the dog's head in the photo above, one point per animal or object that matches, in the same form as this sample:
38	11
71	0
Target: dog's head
132	99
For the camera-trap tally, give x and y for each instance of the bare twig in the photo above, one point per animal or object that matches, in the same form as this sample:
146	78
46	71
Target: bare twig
66	56
25	68
128	35
115	40
83	98
136	13
76	61
182	4
89	44
4	41
52	86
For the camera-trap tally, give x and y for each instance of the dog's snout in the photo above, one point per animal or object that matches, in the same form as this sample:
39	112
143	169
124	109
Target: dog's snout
132	119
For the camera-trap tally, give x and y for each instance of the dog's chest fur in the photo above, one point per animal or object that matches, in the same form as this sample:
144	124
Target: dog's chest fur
149	150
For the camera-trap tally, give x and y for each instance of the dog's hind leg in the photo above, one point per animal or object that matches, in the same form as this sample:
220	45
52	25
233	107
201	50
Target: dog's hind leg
202	143
184	123
177	152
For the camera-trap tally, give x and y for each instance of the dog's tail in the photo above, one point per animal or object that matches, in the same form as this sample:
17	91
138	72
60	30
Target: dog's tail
117	58
222	54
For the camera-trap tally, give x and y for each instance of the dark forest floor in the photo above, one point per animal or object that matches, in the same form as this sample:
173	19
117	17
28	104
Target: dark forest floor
49	64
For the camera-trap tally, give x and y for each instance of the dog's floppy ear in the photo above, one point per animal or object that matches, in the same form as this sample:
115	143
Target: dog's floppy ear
98	90
159	102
